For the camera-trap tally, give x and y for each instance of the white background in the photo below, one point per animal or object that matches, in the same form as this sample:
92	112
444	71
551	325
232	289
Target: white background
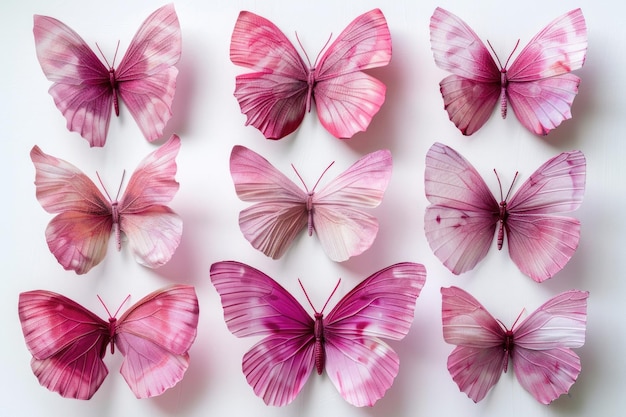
208	119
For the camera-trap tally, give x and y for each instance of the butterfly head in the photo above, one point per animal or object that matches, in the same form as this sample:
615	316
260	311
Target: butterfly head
112	322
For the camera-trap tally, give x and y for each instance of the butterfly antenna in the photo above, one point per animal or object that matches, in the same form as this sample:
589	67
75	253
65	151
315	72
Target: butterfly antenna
301	180
120	307
517	319
104	305
120	187
117	48
323	173
103	187
511	54
323	48
326	303
495	54
303	51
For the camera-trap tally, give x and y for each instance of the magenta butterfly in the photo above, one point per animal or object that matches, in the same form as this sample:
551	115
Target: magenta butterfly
539	347
276	96
538	84
461	221
84	89
68	342
347	342
282	209
78	236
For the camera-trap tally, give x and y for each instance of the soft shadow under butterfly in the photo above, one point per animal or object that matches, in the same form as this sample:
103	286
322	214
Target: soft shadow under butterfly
85	90
461	221
346	343
78	236
282	209
68	342
538	84
276	96
539	347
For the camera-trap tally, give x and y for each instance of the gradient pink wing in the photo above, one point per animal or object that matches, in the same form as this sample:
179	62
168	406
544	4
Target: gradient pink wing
279	213
81	89
343	229
461	220
254	304
541	243
346	98
361	365
146	75
273	98
154	336
479	358
67	342
540	89
79	234
542	359
471	94
153	229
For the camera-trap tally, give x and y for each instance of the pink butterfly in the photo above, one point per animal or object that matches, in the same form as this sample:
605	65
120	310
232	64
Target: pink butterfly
276	96
84	89
68	342
78	236
538	84
539	346
282	209
461	221
347	343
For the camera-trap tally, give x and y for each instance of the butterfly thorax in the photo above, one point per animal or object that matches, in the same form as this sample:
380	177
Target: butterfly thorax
112	330
309	209
311	83
319	353
503	214
115	218
113	83
507	346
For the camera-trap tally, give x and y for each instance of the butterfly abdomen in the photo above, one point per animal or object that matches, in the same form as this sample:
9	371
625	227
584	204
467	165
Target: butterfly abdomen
319	353
113	83
503	83
503	214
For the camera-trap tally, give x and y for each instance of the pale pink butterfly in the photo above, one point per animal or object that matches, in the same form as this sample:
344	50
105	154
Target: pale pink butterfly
461	221
68	342
538	84
539	347
277	95
346	343
78	235
85	89
282	209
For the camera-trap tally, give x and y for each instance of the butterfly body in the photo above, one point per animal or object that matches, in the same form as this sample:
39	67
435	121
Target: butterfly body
79	233
85	90
538	85
464	216
539	347
68	342
276	96
347	343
